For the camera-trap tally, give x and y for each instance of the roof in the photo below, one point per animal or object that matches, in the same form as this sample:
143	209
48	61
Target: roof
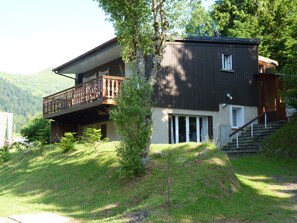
248	41
266	60
111	50
101	54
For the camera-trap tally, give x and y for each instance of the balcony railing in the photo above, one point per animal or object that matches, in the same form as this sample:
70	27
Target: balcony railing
101	88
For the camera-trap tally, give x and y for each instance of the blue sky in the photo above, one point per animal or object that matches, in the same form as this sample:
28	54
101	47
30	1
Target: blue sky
41	34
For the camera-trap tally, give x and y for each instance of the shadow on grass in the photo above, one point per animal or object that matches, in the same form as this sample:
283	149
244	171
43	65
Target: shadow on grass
87	186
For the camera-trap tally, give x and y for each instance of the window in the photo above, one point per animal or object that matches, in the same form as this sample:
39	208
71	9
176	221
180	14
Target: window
188	128
227	62
237	116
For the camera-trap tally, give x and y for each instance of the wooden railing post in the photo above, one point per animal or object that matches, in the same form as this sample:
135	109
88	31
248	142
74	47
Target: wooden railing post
105	87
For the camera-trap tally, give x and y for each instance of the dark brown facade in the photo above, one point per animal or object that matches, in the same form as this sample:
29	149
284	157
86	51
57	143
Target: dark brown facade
192	75
114	68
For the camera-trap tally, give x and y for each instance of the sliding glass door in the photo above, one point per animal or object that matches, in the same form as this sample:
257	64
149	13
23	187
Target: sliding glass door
184	128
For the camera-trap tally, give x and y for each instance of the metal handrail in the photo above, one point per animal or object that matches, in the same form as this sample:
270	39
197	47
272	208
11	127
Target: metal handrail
248	123
251	122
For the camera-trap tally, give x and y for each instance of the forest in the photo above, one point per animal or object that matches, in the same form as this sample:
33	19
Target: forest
22	94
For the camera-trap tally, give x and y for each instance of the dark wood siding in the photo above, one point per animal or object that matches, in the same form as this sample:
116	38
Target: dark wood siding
191	76
116	68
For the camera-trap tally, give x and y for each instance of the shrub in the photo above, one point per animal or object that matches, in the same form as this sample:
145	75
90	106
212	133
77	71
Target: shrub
37	130
4	154
20	146
67	142
133	119
92	136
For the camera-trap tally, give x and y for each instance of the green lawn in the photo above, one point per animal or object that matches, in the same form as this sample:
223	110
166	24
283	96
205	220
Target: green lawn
86	185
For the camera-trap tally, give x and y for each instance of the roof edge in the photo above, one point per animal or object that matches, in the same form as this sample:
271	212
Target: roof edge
252	41
86	54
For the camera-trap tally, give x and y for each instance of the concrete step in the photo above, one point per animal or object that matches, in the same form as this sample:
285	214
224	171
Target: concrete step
241	151
248	145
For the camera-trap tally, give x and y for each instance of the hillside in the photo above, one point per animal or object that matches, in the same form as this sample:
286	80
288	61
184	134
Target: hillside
43	83
86	185
19	102
22	94
282	143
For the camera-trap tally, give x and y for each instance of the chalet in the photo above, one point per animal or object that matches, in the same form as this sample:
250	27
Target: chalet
206	88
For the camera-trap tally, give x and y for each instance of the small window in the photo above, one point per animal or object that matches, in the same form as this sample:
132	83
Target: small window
227	62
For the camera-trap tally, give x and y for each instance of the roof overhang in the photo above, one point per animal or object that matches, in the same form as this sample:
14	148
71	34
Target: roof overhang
111	50
100	55
268	62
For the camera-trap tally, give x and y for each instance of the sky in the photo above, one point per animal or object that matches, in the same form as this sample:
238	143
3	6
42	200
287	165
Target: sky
39	34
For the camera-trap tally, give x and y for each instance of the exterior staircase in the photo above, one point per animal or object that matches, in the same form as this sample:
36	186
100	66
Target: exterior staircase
248	145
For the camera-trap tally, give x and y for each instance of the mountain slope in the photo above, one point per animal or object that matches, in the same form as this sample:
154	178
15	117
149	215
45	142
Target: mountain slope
22	94
43	83
19	102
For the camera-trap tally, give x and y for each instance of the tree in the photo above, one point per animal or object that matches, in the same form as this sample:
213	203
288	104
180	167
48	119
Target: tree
37	130
132	118
273	21
199	23
141	28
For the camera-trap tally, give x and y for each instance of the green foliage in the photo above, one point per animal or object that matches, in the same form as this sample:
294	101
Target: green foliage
22	94
4	154
20	146
37	130
200	23
290	90
132	118
39	84
18	101
282	143
132	22
93	137
67	142
274	22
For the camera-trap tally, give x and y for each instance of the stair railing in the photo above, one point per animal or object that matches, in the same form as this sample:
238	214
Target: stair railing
251	122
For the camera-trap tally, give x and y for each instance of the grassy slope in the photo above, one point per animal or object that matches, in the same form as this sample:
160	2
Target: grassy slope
283	143
86	185
43	83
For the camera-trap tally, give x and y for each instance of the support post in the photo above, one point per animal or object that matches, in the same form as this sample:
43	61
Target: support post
236	140
265	118
252	130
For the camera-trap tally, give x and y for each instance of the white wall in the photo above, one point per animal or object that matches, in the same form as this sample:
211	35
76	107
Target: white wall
221	121
6	128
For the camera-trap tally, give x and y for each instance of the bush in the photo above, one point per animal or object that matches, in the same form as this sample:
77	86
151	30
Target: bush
20	146
133	119
4	154
37	131
282	143
290	89
92	136
67	142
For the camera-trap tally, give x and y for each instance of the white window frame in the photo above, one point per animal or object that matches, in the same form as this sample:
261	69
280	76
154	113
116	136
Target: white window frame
239	116
227	62
175	132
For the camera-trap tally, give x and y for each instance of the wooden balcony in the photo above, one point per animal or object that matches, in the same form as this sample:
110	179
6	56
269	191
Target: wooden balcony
101	90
